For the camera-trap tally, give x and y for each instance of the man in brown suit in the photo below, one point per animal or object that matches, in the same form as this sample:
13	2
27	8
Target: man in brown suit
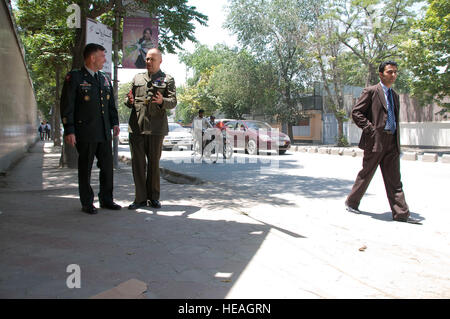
152	93
376	113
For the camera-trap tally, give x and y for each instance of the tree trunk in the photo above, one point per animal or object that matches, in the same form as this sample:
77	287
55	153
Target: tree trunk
118	18
56	114
290	131
69	154
372	76
340	130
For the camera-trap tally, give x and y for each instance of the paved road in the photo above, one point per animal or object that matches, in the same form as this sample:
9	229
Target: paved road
301	197
291	178
255	229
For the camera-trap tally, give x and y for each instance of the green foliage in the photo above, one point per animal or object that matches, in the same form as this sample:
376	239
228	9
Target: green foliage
427	54
276	31
342	141
228	81
242	86
47	42
371	30
194	97
123	110
50	44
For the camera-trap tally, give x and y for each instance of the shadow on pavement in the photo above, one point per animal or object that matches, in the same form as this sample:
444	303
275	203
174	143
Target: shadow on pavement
387	216
42	231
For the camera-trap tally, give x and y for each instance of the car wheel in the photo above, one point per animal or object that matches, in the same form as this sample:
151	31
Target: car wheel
281	152
252	147
228	150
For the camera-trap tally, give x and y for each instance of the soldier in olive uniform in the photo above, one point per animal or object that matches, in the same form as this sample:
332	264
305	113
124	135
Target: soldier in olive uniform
88	113
151	94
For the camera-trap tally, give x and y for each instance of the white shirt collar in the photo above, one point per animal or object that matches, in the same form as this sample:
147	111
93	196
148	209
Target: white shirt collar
385	88
90	71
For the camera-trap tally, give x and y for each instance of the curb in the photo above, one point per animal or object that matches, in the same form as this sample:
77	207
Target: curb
171	176
356	152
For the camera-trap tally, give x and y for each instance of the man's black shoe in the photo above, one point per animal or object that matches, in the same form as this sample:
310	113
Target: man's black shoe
409	220
137	205
110	205
352	210
155	203
89	209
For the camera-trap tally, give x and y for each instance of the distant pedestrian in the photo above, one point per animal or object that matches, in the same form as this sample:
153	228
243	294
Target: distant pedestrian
41	130
48	130
377	113
212	120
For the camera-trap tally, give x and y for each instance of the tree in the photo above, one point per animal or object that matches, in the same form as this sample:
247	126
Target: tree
48	19
243	85
372	29
330	56
196	96
123	110
276	31
175	19
47	42
198	92
226	80
427	54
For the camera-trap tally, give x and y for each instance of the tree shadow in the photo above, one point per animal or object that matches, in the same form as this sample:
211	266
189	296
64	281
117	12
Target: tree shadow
177	250
258	182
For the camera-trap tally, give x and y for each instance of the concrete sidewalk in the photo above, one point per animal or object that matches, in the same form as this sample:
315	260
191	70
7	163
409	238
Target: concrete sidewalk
207	241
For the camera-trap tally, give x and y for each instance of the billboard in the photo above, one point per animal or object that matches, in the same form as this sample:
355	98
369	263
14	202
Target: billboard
100	33
139	35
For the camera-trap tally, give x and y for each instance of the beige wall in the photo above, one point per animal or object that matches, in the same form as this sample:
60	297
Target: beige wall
315	123
436	134
18	111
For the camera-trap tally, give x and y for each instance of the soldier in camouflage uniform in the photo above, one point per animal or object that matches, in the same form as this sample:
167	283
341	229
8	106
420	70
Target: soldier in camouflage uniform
151	94
88	113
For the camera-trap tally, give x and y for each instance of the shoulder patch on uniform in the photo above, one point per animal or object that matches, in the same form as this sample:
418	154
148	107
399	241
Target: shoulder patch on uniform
68	77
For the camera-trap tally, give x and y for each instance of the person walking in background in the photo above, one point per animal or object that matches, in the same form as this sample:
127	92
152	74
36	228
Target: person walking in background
212	120
377	113
48	130
152	93
41	130
88	113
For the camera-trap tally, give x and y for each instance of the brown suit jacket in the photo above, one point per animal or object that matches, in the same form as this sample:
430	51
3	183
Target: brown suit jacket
370	114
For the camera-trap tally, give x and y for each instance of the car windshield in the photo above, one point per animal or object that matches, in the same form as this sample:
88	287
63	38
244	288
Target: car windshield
258	125
176	128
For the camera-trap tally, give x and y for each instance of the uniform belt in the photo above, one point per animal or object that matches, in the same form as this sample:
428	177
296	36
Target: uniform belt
388	132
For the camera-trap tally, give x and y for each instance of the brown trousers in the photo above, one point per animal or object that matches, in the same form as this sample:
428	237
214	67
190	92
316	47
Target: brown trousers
145	155
389	161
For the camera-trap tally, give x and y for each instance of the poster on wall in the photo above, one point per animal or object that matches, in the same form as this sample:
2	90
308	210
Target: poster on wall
139	35
101	34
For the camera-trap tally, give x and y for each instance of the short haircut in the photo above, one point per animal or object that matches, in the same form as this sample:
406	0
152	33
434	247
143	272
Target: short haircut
91	48
201	111
158	51
383	65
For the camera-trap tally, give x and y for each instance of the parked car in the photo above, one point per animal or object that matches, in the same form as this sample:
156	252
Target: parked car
178	137
123	135
255	136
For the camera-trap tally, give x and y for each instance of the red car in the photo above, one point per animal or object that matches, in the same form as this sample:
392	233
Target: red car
255	136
